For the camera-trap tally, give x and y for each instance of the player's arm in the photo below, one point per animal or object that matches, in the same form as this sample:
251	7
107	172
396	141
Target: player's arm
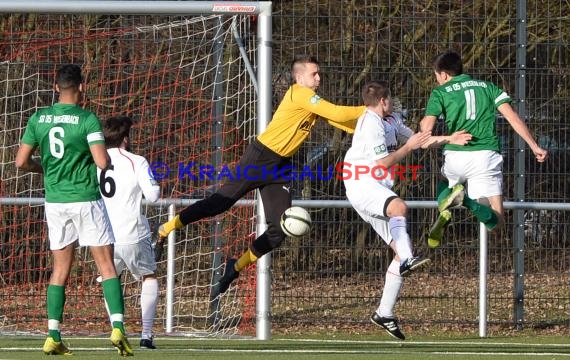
428	123
461	137
520	128
96	142
434	108
347	126
25	161
27	147
100	155
414	142
151	192
343	117
337	113
403	132
149	186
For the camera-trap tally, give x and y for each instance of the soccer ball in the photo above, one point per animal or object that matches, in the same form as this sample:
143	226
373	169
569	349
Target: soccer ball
296	221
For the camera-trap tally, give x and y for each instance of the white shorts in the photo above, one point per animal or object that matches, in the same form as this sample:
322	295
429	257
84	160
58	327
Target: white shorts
137	258
370	199
87	221
482	171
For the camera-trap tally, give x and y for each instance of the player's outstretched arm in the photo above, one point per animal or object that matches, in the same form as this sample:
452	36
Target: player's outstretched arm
336	113
342	117
520	128
461	137
414	142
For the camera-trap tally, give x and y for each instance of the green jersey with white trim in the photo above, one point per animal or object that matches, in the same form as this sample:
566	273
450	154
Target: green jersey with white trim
63	133
470	105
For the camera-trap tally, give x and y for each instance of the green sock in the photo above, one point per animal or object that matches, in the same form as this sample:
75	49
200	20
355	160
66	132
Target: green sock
443	190
483	213
114	297
55	303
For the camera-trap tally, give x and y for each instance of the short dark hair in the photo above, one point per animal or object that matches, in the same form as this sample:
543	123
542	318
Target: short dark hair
450	62
68	76
373	91
116	129
301	60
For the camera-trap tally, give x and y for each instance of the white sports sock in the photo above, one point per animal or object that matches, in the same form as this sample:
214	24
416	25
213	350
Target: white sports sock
149	299
53	324
399	231
391	290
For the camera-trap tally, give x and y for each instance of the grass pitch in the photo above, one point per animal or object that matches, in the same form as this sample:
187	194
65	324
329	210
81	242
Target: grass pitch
314	348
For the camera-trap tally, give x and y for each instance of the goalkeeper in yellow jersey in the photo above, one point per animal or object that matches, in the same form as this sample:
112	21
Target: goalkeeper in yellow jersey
272	150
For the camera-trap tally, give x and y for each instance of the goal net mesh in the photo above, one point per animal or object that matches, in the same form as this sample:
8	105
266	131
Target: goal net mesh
187	82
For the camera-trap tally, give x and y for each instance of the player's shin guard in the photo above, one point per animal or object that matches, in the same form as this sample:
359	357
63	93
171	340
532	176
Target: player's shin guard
392	285
149	299
55	304
483	213
114	297
400	236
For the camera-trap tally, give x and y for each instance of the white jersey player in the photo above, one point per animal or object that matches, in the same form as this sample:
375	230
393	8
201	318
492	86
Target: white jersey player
375	146
123	185
375	149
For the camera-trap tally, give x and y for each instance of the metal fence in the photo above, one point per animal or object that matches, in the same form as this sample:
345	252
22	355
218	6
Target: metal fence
334	276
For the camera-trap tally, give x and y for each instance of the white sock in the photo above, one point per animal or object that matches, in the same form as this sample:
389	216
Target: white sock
53	324
400	237
149	299
391	290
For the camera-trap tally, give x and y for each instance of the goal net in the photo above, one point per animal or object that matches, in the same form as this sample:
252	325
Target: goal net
189	83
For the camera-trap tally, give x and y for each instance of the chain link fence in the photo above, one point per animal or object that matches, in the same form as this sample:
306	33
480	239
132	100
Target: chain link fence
334	276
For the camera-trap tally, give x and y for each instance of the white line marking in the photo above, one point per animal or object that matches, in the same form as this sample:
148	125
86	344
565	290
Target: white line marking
412	342
321	351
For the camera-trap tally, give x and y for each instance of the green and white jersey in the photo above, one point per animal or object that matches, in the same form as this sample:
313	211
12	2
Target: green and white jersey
63	133
470	105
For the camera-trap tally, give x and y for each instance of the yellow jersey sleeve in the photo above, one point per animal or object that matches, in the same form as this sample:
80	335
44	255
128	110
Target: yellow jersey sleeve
346	126
296	115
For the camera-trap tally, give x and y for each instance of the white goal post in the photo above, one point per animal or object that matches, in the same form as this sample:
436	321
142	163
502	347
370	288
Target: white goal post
260	72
